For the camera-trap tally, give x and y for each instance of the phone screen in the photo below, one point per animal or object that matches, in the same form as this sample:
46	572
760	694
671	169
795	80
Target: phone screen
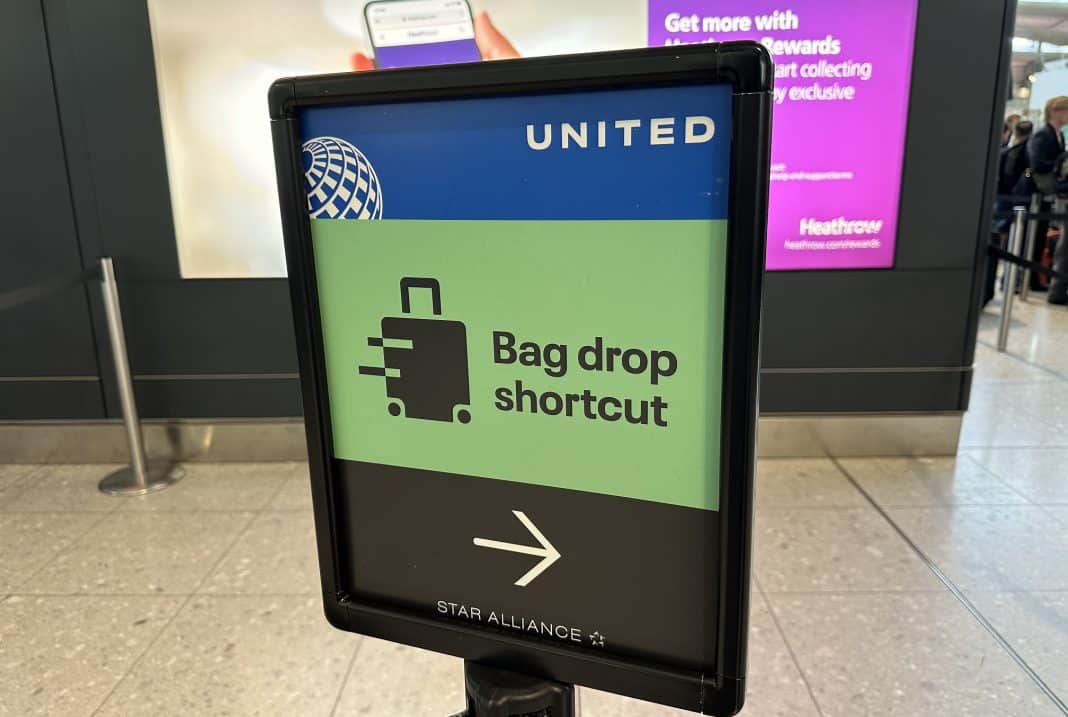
410	33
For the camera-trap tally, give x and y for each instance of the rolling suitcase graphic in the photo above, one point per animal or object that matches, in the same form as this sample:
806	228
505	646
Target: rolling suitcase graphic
424	360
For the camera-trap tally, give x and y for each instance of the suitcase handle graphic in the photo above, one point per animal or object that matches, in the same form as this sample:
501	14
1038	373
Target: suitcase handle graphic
413	282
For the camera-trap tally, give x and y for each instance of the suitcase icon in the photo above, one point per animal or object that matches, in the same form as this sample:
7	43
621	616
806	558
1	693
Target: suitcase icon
425	360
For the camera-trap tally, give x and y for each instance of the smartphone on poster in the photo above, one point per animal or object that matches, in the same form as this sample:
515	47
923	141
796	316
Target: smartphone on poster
412	33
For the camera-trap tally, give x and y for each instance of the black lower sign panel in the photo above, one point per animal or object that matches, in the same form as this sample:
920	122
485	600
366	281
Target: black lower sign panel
527	301
585	570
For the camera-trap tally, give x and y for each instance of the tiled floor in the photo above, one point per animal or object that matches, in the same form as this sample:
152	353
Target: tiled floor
202	600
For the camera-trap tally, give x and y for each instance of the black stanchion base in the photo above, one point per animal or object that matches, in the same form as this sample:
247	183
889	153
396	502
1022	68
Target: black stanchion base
499	693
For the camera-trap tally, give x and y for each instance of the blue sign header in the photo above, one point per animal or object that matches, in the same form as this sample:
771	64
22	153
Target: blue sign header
651	153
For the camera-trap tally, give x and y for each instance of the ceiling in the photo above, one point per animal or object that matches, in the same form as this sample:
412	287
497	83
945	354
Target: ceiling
1043	22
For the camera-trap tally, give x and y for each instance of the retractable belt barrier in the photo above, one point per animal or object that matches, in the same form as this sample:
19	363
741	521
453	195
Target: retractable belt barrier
1000	253
44	289
1035	216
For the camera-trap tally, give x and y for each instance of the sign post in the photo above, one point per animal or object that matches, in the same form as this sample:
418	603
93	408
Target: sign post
527	302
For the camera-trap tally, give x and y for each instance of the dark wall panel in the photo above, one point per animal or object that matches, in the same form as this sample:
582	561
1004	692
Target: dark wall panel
916	316
951	127
39	400
866	319
51	337
246	397
864	392
209	326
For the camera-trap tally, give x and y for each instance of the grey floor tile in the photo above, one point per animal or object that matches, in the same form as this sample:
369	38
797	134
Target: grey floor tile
778	695
1036	625
804	483
1040	475
992	366
834	550
62	656
926	482
12	481
774	688
392	679
142	553
878	654
235	656
594	703
295	493
275	556
219	486
993	548
1060	512
775	685
65	487
1017	416
1039	335
29	540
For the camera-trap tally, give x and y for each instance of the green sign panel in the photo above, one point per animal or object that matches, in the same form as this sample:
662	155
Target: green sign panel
593	349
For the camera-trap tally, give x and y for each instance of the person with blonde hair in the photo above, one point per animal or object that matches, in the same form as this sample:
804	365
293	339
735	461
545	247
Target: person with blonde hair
1048	143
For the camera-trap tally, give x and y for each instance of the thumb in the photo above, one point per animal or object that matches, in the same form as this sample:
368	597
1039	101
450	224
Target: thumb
492	45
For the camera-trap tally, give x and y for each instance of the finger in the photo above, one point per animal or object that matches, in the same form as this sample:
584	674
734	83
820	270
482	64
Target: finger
492	45
361	62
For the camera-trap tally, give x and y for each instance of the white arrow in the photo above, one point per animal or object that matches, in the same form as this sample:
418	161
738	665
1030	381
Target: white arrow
549	554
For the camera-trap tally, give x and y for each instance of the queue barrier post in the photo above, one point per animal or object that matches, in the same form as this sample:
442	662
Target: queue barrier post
1029	246
140	476
1015	244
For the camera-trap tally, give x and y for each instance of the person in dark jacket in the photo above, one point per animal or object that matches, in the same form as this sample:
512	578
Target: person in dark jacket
1048	142
1043	150
1012	166
1014	160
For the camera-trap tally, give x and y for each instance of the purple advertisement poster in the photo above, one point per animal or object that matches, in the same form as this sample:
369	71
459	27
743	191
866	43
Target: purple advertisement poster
841	102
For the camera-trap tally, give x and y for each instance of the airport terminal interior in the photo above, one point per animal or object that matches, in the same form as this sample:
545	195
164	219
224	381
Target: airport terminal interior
257	456
881	586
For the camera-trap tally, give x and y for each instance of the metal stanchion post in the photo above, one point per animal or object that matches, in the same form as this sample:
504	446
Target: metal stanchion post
1029	246
139	477
1015	243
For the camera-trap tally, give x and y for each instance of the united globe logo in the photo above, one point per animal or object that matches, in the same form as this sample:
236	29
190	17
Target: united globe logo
340	181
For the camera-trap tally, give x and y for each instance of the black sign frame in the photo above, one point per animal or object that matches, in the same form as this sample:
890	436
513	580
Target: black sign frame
747	67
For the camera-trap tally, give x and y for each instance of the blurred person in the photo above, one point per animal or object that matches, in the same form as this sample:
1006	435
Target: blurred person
1014	160
1044	152
1012	169
1047	144
1007	129
1043	149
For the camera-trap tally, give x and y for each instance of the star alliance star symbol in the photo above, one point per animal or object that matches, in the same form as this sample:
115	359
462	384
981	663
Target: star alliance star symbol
597	639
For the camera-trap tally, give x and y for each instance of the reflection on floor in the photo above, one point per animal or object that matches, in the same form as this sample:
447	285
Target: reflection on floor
202	599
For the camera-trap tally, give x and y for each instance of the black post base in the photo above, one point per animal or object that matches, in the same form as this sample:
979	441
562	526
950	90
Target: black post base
499	693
